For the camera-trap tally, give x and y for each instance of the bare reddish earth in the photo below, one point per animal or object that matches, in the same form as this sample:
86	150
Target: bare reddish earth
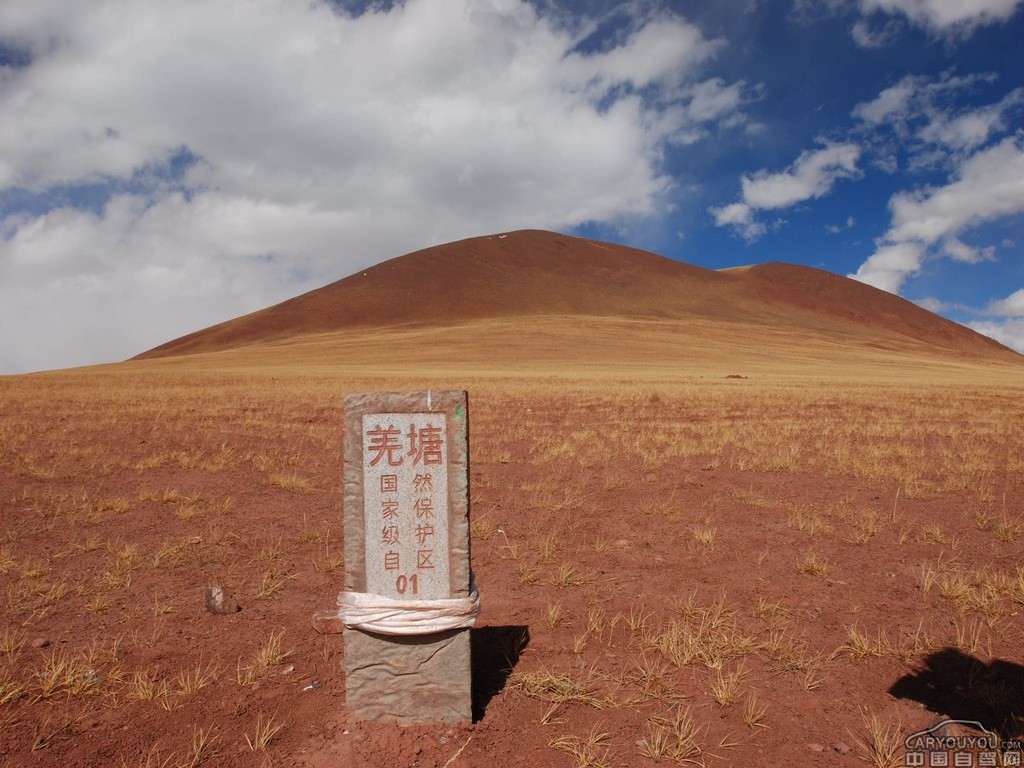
865	480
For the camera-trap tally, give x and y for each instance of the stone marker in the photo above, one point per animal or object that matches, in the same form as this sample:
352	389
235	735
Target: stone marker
407	538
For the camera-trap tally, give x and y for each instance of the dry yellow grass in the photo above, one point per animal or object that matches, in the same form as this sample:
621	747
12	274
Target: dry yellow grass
915	432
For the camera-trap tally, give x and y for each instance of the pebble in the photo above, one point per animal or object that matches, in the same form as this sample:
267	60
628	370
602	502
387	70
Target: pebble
219	600
816	747
40	642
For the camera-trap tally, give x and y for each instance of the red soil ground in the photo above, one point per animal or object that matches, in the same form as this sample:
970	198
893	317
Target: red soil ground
825	510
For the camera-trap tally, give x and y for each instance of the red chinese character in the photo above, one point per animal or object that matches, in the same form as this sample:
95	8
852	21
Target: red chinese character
389	535
389	510
422	532
424	508
423	558
391	561
385	441
423	483
388	483
425	444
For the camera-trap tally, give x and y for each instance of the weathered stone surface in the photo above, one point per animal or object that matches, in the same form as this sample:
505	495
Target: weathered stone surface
219	600
452	403
412	550
408	680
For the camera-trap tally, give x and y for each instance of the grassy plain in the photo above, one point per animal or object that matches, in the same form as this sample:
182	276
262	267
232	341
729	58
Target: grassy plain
716	563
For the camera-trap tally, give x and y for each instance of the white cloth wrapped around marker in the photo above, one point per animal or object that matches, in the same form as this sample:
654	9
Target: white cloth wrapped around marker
388	616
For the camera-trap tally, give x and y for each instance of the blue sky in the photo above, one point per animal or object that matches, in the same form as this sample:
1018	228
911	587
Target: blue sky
166	166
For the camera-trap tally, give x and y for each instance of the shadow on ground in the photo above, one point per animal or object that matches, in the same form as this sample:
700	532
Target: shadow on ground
495	652
963	687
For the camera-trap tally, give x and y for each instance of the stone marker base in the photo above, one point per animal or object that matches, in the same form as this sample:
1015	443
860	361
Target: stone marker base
408	679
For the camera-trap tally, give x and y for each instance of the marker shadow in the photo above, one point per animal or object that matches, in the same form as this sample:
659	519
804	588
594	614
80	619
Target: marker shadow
494	652
963	687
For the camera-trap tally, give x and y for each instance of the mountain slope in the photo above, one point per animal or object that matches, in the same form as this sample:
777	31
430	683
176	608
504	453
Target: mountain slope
527	275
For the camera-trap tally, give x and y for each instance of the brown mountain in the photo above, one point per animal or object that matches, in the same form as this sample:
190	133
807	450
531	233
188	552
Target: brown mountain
534	295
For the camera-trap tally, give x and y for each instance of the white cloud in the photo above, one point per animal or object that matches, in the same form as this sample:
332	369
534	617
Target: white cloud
867	36
671	48
932	304
990	185
960	251
835	229
1008	332
1011	306
972	128
891	104
946	17
812	175
931	128
325	142
713	99
889	266
740	217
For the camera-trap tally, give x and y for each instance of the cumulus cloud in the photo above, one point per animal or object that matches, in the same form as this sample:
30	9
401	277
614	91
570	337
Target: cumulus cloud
971	128
946	17
960	251
989	185
931	127
1011	306
890	265
812	175
740	217
891	105
1006	321
1009	332
932	304
189	162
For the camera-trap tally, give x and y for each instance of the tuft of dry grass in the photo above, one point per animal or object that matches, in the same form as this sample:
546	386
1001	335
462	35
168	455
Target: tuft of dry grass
142	686
482	529
10	689
568	576
555	615
272	652
561	689
597	618
266	730
290	482
725	688
704	535
196	678
674	737
11	643
882	742
753	712
272	584
591	751
812	564
200	749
